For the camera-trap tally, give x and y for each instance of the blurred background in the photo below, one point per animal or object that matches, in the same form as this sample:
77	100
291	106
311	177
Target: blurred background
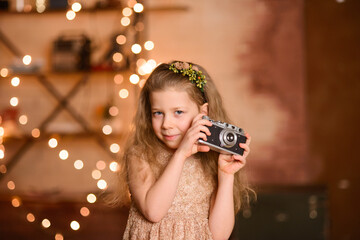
71	71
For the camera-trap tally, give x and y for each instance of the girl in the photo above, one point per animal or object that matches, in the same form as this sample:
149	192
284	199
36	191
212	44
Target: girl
179	188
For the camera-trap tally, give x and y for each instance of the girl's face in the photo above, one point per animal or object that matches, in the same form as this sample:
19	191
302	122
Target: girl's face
172	114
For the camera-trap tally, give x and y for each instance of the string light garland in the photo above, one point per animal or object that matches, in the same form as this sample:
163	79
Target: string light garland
143	67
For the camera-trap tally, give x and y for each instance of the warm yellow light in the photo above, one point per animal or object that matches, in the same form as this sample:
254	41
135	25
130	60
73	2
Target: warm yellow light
75	225
84	211
30	217
2	154
101	165
123	93
125	21
2	131
16	202
114	166
40	8
3	169
113	111
15	81
117	57
35	132
149	45
23	119
121	39
107	129
152	63
114	148
78	164
11	185
146	68
96	174
70	15
76	7
59	236
140	62
4	72
134	79
136	48
26	59
118	78
14	101
46	223
138	7
141	71
131	3
102	184
63	154
91	198
53	143
127	12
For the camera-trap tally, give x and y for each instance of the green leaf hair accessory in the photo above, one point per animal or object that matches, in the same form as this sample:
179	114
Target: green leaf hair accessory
195	75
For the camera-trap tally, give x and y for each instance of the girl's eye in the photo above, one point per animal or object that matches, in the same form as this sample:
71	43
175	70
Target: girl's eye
158	113
178	112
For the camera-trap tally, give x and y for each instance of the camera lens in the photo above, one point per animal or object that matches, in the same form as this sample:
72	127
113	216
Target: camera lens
230	137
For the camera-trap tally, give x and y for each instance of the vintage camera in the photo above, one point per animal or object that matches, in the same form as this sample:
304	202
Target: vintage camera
225	138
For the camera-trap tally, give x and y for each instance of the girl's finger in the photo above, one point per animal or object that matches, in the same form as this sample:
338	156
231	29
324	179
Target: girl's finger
203	148
245	147
202	136
239	158
198	117
248	141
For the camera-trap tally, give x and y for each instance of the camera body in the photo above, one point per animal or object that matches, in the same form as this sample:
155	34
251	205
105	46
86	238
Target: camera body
224	138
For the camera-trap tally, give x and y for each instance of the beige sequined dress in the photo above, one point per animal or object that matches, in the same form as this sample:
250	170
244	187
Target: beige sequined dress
188	215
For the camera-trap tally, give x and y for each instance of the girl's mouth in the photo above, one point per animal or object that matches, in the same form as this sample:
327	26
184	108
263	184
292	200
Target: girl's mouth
170	137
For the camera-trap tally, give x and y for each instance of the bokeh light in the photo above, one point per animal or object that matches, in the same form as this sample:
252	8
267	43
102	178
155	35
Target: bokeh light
26	59
84	211
74	225
114	148
70	15
15	81
23	119
96	174
101	165
63	154
30	217
138	7
53	142
91	198
78	164
149	45
121	39
14	101
123	93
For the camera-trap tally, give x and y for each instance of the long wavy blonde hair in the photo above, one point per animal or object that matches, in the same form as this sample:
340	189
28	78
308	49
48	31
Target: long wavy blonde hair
142	137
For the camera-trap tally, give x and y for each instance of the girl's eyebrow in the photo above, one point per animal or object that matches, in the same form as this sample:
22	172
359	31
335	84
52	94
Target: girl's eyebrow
174	108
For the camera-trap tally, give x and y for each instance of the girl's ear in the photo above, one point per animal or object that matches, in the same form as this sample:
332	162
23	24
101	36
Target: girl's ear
204	108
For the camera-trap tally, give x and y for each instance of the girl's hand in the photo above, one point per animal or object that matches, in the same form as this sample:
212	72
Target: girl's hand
189	144
230	164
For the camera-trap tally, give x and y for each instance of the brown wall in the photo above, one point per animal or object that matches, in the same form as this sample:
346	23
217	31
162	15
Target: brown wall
333	97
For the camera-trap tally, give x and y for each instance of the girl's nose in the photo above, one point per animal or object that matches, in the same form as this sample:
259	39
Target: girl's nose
167	123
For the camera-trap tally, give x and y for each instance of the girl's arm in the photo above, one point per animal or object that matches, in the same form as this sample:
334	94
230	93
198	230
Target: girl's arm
154	197
222	216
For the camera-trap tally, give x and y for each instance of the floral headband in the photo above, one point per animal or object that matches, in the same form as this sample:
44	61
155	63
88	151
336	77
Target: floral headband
195	75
